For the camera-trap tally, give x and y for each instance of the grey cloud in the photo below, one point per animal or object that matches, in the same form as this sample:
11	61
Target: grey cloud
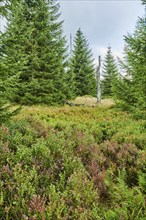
103	22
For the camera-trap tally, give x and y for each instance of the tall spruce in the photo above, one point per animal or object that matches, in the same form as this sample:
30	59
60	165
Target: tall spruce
5	112
3	101
132	89
83	67
70	81
7	86
110	73
34	48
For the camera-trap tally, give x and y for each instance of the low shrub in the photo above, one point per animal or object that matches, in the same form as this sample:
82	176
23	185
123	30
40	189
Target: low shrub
73	163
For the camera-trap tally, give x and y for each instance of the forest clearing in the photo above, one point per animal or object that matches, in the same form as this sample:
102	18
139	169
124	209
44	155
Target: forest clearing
73	163
72	124
92	101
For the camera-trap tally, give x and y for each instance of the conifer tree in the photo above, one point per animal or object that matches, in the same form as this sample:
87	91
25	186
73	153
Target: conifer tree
5	112
6	92
34	49
133	84
70	82
110	73
83	67
3	109
3	7
5	106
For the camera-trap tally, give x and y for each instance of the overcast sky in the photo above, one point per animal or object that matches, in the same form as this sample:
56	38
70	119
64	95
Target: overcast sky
102	22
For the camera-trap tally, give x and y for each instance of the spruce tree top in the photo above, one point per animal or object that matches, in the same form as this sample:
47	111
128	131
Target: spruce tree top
83	67
109	67
110	73
34	47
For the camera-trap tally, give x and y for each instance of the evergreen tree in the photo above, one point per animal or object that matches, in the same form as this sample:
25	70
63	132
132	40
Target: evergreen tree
3	110
6	92
34	48
3	7
83	67
134	82
70	82
5	107
110	73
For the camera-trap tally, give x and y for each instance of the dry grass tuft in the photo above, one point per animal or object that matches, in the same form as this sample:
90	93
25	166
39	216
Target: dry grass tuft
91	101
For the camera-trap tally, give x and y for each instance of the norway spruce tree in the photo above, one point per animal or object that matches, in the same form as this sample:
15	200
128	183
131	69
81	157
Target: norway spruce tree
110	73
34	48
5	83
4	115
6	112
70	82
132	89
7	86
83	67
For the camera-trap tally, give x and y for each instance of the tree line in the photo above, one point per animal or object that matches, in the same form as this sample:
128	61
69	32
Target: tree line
35	67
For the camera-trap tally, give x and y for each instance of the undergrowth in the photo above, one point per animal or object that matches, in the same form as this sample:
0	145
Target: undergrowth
77	163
